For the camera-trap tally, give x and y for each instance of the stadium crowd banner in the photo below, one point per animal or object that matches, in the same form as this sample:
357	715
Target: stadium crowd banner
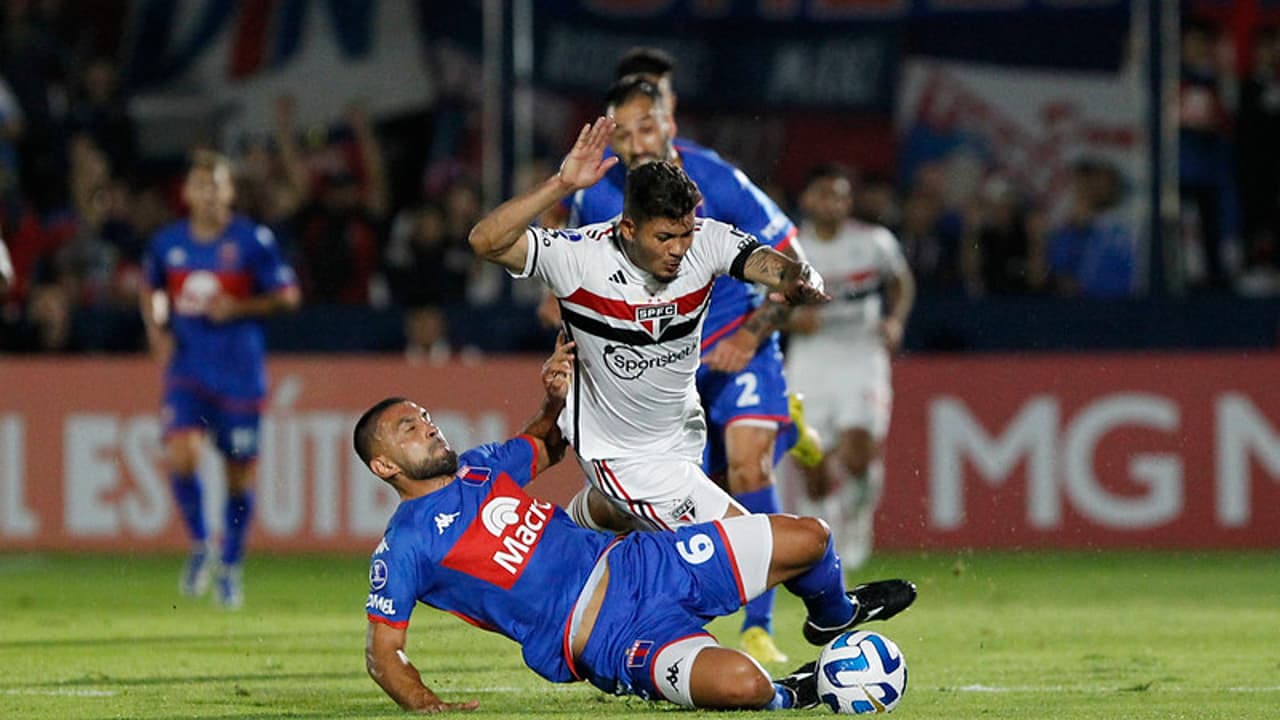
1165	451
1028	126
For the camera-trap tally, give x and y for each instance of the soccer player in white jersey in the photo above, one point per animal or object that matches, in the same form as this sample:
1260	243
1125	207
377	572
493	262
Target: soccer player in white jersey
633	295
839	354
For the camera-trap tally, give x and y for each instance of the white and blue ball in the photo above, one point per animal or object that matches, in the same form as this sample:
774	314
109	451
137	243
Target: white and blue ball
861	672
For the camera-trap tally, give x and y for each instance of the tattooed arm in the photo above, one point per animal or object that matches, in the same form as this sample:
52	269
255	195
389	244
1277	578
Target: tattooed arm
790	282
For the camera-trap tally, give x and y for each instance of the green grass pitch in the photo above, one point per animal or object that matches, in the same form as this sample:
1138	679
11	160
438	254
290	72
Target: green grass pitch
993	635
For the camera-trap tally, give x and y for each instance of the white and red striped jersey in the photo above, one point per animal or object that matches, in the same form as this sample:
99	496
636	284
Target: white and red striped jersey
854	264
633	391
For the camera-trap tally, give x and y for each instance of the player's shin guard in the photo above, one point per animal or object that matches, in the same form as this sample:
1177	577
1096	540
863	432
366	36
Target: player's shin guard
239	511
189	495
821	587
759	612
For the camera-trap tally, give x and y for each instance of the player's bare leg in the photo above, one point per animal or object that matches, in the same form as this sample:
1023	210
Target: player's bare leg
749	451
182	449
725	679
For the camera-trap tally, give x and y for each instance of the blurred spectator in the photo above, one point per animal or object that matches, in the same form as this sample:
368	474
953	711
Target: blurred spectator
1004	247
339	228
930	240
35	63
1091	255
876	201
428	271
1210	217
11	129
7	277
1258	165
101	111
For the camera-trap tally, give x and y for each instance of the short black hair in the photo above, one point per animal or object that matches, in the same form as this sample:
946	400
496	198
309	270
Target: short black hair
659	189
624	90
828	171
646	60
367	427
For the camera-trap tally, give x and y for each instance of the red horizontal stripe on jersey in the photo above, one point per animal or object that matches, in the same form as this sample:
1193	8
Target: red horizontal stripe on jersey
861	275
624	310
237	284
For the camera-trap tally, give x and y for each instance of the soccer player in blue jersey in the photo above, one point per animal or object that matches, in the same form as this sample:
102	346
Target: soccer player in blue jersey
626	614
208	282
740	379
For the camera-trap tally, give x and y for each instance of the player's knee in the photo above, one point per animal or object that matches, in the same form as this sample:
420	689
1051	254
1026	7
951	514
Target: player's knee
749	476
818	536
739	683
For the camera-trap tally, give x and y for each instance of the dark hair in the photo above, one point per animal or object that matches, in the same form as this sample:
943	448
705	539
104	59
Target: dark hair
646	60
659	189
624	90
828	171
367	427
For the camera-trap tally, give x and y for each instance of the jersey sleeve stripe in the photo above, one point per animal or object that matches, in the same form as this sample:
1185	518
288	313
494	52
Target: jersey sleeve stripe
785	242
729	327
533	450
397	624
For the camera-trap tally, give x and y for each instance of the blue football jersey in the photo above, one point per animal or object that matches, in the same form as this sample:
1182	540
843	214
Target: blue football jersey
728	195
225	359
485	551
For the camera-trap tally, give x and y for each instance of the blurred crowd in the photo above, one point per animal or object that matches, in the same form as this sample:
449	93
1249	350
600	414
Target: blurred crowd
79	202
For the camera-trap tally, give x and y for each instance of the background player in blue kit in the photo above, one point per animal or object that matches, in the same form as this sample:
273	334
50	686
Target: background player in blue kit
740	379
624	613
208	282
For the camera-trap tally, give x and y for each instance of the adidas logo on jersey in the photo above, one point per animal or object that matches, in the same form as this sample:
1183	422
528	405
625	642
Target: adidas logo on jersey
618	277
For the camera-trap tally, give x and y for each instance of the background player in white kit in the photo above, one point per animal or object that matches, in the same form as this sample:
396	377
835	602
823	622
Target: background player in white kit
839	355
633	296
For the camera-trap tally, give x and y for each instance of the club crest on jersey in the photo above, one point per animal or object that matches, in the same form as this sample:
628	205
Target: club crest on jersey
655	318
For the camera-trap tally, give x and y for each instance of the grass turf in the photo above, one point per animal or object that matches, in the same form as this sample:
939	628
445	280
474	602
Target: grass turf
1036	635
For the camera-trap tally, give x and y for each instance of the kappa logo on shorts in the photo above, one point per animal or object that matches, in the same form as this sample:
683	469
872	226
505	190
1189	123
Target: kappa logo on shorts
673	674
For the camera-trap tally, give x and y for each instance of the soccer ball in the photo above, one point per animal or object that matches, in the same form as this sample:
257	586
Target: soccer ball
861	672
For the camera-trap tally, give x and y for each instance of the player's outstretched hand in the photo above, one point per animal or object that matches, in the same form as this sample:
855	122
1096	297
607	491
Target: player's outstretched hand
440	706
802	286
586	164
557	371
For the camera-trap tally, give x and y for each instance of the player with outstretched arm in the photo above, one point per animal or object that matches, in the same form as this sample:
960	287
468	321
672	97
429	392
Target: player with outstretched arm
626	614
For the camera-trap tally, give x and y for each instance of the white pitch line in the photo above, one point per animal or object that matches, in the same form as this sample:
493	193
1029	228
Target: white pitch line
1064	689
61	692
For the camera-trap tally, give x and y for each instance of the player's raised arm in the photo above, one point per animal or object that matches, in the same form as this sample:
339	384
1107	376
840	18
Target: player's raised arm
500	235
789	281
557	375
388	665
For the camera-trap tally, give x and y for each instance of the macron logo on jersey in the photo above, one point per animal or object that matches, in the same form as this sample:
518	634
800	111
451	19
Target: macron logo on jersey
497	548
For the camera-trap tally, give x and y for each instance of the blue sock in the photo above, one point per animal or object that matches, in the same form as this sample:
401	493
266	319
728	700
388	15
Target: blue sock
759	612
821	587
783	699
236	526
190	498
